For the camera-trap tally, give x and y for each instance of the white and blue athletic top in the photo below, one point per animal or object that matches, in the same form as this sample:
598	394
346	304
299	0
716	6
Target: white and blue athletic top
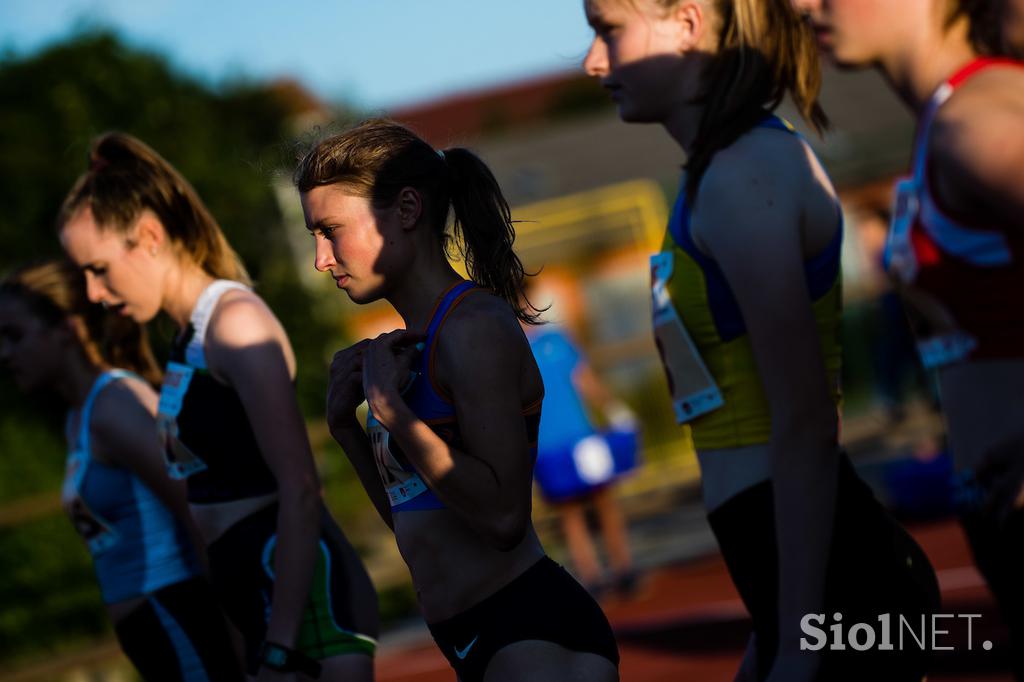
136	544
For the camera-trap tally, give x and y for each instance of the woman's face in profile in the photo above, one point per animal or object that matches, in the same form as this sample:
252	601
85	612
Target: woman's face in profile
30	348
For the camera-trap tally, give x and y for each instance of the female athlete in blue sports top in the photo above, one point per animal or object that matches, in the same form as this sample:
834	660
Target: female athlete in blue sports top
448	454
132	517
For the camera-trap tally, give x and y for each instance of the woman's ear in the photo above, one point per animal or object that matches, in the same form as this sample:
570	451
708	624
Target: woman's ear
410	207
148	233
692	19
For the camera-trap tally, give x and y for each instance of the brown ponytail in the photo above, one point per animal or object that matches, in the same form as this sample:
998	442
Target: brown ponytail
378	158
126	177
984	25
55	293
765	50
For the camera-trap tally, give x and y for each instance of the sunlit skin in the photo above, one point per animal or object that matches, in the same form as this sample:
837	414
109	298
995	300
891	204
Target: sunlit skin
117	273
856	33
136	273
374	253
912	43
350	238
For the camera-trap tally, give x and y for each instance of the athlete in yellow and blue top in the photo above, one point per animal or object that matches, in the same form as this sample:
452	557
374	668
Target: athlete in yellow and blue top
711	314
746	305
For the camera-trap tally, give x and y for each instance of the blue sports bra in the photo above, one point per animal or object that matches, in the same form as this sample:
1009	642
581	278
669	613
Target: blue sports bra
136	544
406	489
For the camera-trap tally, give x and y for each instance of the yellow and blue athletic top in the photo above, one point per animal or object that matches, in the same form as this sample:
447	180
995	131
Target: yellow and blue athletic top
709	311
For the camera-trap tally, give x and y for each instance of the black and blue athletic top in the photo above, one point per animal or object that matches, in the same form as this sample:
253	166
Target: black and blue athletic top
207	437
406	489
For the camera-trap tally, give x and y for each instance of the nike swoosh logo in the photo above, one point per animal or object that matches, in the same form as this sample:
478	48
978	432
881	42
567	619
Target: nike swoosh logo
465	652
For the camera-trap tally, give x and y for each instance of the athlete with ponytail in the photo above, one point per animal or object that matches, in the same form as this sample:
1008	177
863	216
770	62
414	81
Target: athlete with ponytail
747	308
957	243
455	397
228	417
133	518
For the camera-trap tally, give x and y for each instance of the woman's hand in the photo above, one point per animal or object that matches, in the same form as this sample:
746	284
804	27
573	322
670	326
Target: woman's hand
387	361
345	386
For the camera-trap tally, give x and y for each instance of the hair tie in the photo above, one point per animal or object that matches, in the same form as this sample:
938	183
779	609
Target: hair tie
440	152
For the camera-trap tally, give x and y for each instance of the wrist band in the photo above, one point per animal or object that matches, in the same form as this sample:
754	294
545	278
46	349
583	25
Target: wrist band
285	660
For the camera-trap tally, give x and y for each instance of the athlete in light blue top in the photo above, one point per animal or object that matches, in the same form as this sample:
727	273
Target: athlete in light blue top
133	518
136	544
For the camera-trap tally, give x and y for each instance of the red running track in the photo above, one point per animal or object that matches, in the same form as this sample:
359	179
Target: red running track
687	623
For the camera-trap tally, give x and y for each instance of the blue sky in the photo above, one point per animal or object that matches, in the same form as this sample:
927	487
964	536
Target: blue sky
373	53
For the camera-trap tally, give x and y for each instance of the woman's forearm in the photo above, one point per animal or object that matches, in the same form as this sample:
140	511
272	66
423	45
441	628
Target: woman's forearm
298	535
349	434
471	489
804	481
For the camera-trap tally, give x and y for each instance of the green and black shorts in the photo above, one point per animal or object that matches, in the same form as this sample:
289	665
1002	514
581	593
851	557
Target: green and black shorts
242	572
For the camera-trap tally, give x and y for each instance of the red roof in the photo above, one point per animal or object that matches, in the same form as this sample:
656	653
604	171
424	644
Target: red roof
462	116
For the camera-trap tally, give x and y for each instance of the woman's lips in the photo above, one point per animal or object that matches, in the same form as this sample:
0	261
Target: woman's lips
823	36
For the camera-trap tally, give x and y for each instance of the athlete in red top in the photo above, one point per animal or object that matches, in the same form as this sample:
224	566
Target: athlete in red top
957	243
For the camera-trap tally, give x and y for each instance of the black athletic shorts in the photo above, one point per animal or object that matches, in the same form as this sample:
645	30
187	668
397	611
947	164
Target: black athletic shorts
874	568
998	549
242	570
544	603
178	635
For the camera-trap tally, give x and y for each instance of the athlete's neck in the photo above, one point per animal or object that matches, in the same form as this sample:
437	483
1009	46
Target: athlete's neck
683	124
917	69
417	294
182	289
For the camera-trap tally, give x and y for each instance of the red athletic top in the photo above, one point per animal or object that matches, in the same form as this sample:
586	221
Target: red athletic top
968	277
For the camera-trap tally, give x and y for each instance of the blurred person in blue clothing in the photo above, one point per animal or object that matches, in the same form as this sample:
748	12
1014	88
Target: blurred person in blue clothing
578	463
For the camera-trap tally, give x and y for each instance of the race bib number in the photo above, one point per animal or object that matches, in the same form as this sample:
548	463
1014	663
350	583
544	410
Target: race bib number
691	385
401	485
180	461
946	349
899	251
98	535
940	341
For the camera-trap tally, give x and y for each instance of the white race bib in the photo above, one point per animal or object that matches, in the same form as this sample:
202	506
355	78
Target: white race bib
180	461
693	389
400	485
